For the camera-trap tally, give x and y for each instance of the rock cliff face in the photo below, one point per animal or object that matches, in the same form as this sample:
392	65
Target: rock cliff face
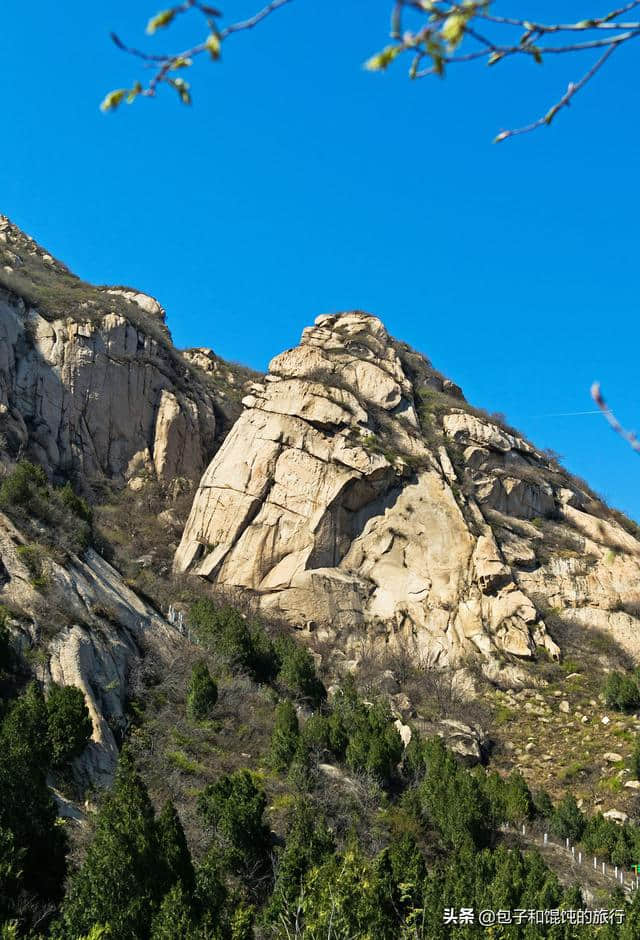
98	629
89	380
360	498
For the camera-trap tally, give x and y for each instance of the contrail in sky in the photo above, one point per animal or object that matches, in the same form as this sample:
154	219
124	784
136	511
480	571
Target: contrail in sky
566	414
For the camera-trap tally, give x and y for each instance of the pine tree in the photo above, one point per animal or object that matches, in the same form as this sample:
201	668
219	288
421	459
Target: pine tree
121	880
284	738
174	851
69	723
567	820
202	694
308	843
175	919
635	759
518	799
27	809
234	808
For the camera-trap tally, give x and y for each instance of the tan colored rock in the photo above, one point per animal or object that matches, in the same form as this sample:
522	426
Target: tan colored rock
149	304
461	426
617	816
323	528
89	393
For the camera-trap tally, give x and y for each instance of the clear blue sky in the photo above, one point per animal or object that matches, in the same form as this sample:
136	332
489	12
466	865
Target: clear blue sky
299	184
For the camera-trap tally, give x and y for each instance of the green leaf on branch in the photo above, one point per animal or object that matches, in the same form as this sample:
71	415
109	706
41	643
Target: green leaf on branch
453	29
133	94
495	57
162	19
180	63
382	60
113	99
213	45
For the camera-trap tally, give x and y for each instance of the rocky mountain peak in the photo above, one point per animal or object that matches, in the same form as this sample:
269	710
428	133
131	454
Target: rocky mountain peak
90	382
360	498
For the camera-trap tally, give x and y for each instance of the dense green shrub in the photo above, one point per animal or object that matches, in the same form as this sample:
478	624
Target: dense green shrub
308	842
202	693
69	723
567	820
174	851
621	692
233	808
248	648
634	763
315	734
364	734
454	799
284	739
245	645
27	811
297	672
25	484
175	919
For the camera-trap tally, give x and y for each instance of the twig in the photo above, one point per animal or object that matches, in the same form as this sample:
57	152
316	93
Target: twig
629	436
564	102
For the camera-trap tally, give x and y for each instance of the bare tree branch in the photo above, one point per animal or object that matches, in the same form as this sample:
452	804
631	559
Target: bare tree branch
630	436
435	34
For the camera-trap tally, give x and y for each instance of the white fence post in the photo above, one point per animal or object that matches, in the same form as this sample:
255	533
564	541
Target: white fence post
603	868
579	858
595	863
545	838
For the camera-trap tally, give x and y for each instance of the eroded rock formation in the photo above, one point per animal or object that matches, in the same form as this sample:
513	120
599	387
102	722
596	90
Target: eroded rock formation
89	381
360	497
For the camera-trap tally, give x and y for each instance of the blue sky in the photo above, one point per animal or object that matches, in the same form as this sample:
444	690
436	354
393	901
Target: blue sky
299	184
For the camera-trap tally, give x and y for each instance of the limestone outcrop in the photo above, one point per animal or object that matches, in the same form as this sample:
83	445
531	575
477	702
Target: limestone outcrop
361	499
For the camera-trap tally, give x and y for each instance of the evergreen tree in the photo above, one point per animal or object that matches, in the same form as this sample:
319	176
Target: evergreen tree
567	820
233	808
308	843
284	739
174	851
202	693
518	801
298	672
211	893
621	692
315	734
348	896
175	919
542	804
27	809
69	723
123	875
10	873
454	799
